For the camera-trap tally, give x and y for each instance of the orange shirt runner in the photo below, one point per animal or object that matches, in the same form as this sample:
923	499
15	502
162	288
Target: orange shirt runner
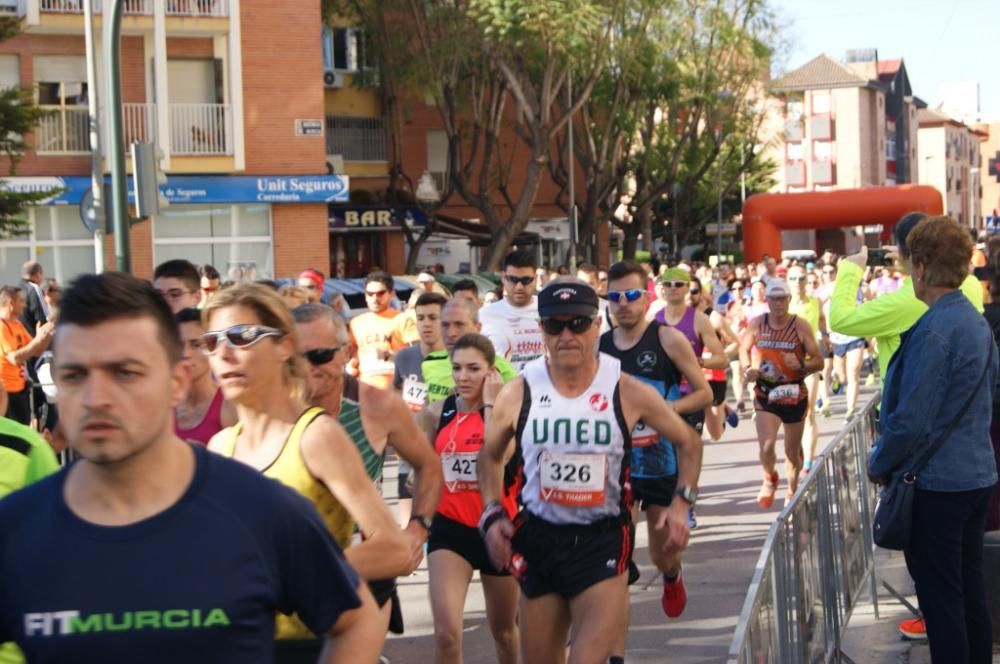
376	335
13	337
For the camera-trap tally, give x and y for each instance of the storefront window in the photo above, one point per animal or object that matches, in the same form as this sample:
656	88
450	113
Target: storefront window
235	239
57	239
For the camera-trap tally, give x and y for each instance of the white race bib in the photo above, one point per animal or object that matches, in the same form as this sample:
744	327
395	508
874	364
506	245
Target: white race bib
414	393
459	471
783	392
576	480
644	436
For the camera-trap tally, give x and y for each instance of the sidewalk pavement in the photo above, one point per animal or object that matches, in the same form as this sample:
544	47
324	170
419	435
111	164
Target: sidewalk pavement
718	566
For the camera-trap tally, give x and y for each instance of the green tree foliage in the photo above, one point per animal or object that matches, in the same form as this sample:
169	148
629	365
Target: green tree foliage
18	117
684	88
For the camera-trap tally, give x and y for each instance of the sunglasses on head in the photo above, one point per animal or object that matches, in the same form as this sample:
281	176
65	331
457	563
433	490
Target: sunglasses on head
320	356
511	279
630	295
237	336
675	284
577	325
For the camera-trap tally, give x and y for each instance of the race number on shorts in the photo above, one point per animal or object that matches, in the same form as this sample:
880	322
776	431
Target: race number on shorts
644	436
414	394
784	393
573	479
459	471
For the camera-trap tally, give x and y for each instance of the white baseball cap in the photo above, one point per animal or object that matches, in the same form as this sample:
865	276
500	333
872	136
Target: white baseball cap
777	288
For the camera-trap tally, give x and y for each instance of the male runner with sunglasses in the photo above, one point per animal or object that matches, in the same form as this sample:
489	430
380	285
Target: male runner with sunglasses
569	416
378	333
379	418
660	357
512	323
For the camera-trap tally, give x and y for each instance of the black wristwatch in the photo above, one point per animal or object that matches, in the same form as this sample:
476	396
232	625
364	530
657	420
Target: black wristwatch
423	520
689	494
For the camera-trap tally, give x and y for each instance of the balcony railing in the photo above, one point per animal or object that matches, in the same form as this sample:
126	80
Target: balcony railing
201	129
190	8
64	129
356	139
195	129
793	130
821	127
795	174
824	172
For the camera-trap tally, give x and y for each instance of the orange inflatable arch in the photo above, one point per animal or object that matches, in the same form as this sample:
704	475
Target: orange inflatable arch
766	215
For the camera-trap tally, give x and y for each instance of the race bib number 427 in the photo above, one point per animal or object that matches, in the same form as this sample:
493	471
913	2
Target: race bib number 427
459	471
573	479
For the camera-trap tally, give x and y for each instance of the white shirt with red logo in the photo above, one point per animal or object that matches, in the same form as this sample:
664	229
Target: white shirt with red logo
573	448
514	331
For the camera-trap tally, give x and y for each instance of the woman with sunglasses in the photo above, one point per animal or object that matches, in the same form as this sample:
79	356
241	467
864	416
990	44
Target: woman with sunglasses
455	547
204	411
253	350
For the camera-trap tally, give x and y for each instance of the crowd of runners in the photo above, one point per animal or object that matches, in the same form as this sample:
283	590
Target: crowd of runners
533	434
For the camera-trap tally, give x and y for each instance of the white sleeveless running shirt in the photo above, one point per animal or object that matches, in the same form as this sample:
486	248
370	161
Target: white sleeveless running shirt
573	448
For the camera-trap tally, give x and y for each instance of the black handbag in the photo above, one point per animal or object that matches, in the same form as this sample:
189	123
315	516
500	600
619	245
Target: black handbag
892	523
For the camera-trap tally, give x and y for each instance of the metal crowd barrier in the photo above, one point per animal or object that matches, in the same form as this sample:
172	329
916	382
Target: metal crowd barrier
817	559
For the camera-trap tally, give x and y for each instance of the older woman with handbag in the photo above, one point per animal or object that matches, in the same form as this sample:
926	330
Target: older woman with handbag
934	453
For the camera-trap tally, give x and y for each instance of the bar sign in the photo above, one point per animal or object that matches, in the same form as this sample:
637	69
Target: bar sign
308	127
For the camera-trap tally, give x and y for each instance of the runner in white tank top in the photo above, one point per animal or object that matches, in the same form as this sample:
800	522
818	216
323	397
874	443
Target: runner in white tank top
569	416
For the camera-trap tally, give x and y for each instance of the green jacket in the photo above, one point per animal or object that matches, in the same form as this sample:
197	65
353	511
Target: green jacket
25	457
436	368
886	317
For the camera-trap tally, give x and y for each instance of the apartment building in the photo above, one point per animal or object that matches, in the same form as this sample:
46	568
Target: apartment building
843	125
239	120
951	160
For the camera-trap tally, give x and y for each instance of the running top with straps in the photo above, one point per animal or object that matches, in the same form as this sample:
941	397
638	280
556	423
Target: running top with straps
458	441
576	451
713	375
350	419
782	356
808	309
685	326
210	424
652	457
290	469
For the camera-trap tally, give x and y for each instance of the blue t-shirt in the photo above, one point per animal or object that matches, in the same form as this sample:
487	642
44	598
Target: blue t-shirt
198	582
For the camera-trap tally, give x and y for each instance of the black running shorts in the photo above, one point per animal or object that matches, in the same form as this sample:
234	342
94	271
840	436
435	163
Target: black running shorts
465	541
566	560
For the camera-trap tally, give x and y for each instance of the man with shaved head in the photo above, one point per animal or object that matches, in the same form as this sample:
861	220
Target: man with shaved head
458	318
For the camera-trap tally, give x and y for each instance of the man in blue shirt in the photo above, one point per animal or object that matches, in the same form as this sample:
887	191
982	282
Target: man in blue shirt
148	549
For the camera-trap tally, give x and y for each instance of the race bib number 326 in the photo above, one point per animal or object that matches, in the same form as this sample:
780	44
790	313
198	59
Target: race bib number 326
573	479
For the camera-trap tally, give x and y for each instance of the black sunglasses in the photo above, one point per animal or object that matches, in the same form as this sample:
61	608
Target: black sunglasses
237	336
511	279
577	325
320	356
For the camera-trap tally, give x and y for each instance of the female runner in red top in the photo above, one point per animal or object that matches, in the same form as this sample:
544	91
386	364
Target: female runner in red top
455	548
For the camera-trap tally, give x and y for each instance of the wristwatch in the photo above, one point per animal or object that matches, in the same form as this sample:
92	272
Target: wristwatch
423	520
689	494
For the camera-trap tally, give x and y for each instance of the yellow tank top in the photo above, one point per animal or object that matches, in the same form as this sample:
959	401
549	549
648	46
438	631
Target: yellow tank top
808	310
290	469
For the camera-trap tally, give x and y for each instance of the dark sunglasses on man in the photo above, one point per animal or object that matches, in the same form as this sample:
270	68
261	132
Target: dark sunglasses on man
237	336
320	356
577	325
513	281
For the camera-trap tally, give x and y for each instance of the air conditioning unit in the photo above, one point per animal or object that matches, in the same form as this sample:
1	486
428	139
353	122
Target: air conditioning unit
333	79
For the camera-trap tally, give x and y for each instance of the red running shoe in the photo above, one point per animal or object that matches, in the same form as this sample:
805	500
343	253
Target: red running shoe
913	629
674	597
